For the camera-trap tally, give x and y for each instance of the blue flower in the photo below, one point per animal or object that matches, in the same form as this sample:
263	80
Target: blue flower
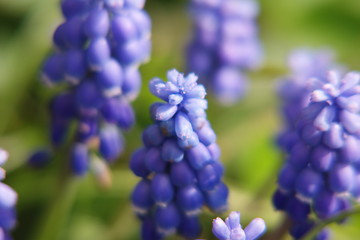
179	163
8	199
224	45
322	168
293	89
232	230
98	50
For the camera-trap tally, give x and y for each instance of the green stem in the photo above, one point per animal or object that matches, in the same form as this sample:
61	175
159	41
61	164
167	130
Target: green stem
321	224
55	217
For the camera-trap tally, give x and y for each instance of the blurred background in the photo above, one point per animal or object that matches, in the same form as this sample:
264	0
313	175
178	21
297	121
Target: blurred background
52	207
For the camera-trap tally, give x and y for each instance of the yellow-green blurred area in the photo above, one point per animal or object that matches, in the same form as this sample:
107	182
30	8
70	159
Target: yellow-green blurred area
51	207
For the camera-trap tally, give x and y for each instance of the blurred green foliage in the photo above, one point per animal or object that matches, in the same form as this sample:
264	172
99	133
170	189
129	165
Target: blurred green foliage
52	206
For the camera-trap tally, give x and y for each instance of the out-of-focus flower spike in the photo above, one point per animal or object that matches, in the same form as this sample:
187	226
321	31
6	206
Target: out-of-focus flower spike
98	50
224	46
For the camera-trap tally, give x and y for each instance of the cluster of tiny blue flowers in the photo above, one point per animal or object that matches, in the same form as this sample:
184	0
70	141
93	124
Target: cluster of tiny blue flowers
322	170
98	49
8	199
293	89
232	230
224	45
179	163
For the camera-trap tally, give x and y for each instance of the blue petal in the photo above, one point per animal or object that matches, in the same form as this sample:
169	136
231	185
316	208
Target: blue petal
181	174
220	229
141	197
163	111
97	23
137	163
98	53
171	152
152	136
190	227
341	178
255	229
198	156
309	183
350	121
153	160
190	200
183	127
161	189
233	221
168	217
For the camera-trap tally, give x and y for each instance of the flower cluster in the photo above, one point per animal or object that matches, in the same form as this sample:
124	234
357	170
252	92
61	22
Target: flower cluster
293	89
224	45
8	199
232	230
179	163
98	49
321	173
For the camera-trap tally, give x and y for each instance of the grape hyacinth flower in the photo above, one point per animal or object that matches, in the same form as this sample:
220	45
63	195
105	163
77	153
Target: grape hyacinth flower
179	162
293	90
232	230
8	199
98	50
225	45
321	173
